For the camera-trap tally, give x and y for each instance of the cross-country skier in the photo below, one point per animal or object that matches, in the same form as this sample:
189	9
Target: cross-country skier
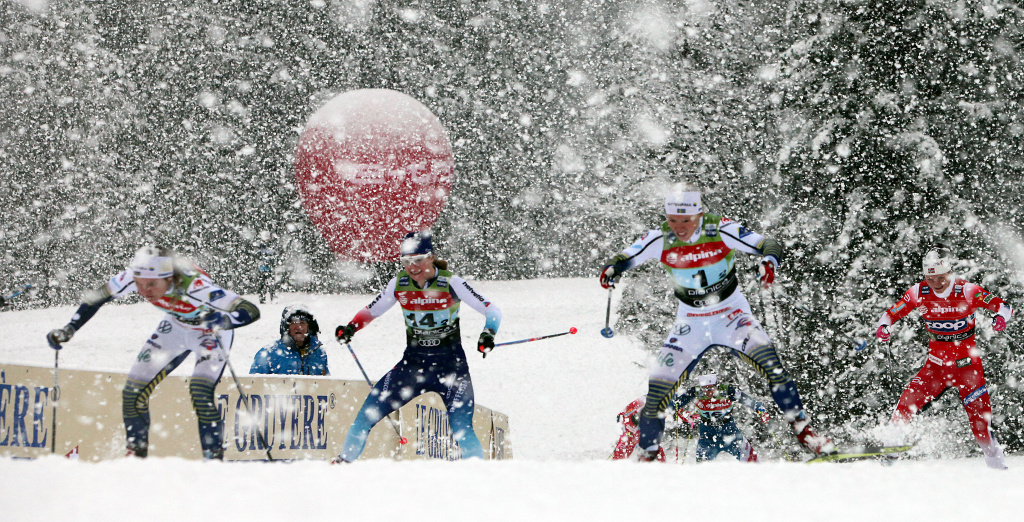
947	306
434	361
266	278
200	317
298	351
717	430
698	251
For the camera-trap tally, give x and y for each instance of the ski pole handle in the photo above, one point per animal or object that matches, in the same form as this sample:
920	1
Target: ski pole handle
572	330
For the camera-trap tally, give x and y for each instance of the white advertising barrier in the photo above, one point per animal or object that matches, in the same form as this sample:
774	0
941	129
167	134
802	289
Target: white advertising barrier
299	418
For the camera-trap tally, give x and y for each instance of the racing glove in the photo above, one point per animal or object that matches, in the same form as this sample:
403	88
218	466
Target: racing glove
217	321
883	333
60	335
611	271
766	272
998	323
486	342
345	333
762	414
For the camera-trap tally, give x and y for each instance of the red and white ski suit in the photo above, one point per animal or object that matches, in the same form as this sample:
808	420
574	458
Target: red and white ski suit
953	358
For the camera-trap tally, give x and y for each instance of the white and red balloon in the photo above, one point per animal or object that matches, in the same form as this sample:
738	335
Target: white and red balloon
371	166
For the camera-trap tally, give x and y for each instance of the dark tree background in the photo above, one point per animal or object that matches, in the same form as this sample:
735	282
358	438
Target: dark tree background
860	133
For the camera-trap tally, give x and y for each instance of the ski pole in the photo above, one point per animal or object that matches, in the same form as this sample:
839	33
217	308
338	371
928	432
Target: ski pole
4	299
607	331
19	292
401	439
781	447
686	446
775	317
242	394
56	397
572	330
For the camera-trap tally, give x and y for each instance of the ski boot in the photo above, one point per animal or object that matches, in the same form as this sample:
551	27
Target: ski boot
994	456
643	455
817	444
213	454
137	451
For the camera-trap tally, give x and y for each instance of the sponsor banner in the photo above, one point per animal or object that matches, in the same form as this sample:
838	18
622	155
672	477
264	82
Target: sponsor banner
299	417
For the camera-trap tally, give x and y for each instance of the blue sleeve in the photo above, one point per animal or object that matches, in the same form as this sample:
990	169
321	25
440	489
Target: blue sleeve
320	357
680	401
242	312
261	363
746	400
464	292
323	362
85	312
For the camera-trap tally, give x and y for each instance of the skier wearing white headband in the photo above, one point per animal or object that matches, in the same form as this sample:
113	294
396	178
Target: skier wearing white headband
947	305
698	252
199	319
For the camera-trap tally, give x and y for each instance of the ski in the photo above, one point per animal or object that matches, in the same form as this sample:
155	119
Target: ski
860	453
20	291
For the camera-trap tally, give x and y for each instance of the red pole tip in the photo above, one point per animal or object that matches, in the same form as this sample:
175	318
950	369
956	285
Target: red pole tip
404	440
572	329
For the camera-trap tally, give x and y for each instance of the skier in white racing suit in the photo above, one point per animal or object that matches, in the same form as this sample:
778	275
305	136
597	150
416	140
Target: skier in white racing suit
200	318
698	252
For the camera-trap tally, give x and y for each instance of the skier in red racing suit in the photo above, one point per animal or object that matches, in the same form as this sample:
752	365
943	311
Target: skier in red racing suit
947	306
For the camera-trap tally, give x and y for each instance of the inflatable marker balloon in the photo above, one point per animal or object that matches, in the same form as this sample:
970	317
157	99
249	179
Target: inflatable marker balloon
371	166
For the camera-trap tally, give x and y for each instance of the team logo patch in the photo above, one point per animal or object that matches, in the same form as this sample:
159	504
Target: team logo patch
975	395
961	363
403	281
948	326
681	329
744	232
209	344
164	327
216	294
712	230
442	282
925	290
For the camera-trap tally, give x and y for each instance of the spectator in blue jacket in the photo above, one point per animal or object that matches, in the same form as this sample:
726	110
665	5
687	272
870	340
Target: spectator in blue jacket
298	352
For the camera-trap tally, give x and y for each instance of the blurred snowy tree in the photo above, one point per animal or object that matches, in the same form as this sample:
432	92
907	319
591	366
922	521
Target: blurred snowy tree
859	133
902	132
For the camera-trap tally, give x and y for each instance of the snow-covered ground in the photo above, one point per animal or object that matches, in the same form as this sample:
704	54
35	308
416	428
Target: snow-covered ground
561	394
